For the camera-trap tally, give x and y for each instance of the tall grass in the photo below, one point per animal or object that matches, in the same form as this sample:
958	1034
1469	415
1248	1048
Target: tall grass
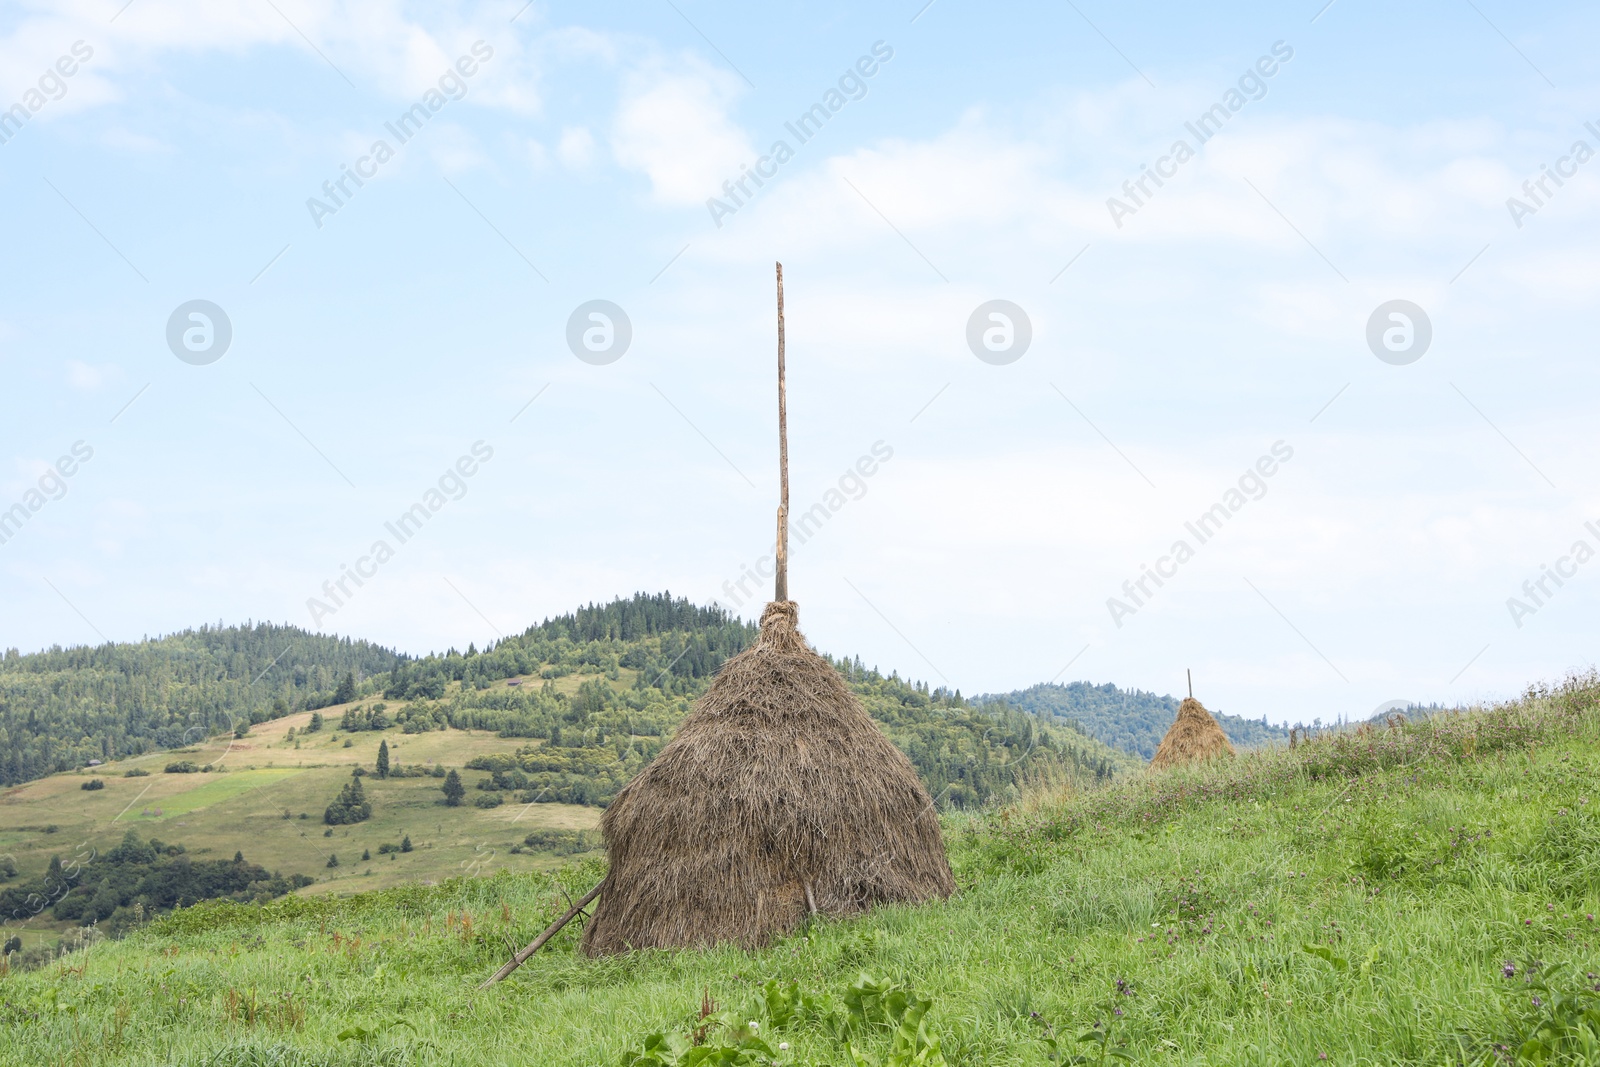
1422	894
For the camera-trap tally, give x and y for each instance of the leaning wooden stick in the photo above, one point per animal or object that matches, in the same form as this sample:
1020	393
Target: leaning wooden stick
781	584
538	942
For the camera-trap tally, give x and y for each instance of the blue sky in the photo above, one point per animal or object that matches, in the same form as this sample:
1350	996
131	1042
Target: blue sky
1169	355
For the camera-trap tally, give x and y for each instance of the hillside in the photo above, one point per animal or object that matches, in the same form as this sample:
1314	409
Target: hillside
61	708
598	690
1130	720
1424	894
542	729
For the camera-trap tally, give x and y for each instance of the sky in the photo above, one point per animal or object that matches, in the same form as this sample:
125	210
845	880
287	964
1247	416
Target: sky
1122	339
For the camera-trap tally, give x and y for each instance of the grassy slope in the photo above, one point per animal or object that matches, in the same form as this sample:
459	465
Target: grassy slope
1427	859
213	815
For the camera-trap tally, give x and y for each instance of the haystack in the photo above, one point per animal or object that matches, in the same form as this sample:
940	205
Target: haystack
778	797
1193	737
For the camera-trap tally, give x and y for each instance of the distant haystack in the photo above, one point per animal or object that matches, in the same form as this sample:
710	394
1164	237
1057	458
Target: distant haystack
1193	738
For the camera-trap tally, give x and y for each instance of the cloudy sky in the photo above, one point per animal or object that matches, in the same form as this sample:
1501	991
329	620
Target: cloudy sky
1320	242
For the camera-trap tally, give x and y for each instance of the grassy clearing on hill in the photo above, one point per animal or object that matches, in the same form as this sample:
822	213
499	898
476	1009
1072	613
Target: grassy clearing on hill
242	809
1365	899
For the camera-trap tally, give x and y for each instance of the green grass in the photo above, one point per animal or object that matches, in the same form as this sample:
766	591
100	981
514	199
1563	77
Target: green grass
210	789
214	815
1356	899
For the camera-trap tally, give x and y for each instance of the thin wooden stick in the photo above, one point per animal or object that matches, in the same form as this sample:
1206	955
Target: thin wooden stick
538	942
781	583
1190	673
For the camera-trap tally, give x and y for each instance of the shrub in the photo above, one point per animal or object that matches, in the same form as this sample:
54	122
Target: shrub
137	772
183	766
561	842
93	784
488	800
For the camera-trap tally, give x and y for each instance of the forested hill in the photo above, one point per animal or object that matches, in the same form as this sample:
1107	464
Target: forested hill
1131	720
615	680
61	708
594	694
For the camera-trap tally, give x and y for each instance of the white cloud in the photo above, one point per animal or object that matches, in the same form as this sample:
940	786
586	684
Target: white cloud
576	147
82	376
674	127
374	44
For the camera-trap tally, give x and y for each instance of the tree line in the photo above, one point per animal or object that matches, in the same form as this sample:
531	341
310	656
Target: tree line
61	708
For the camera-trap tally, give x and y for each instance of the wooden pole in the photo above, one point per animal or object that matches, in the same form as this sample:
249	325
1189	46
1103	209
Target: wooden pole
1190	674
538	942
781	583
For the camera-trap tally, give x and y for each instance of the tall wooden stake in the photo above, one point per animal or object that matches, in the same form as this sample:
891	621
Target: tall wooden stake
781	583
1190	673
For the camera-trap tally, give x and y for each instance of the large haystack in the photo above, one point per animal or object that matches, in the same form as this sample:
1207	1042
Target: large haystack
779	796
1193	737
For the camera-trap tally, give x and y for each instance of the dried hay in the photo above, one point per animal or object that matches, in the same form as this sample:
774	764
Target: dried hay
779	796
1193	737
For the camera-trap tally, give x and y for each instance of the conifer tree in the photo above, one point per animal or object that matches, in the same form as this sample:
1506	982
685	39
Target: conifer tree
383	759
453	789
350	806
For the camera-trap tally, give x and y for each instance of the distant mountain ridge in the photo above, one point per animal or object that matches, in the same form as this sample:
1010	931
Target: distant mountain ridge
1130	720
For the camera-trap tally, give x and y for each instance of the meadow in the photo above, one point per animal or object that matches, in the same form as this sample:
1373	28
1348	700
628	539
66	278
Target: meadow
1422	894
253	801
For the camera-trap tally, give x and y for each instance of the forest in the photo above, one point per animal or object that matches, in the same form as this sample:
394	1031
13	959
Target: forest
62	708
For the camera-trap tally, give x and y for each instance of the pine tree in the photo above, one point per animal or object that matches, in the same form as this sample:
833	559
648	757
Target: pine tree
316	722
405	843
350	806
347	689
366	854
383	759
453	790
333	860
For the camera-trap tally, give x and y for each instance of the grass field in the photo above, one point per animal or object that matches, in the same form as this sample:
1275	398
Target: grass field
1416	896
262	777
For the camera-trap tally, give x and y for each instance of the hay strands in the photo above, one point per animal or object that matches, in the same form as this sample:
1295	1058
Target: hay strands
539	942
